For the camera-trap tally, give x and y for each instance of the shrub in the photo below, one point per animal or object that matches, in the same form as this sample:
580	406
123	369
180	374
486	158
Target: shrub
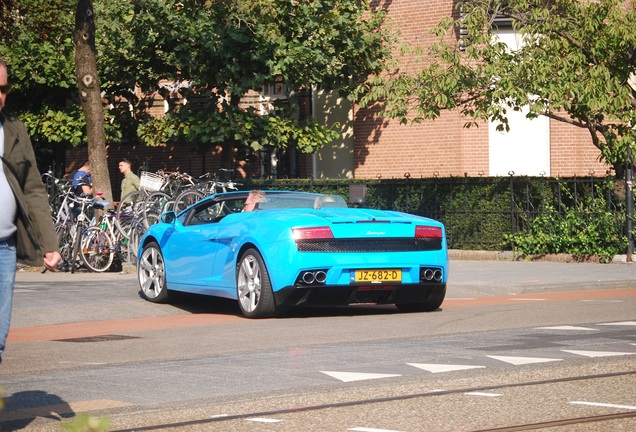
583	230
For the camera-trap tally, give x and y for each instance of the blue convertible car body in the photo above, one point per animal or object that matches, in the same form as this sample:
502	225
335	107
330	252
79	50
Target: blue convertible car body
296	248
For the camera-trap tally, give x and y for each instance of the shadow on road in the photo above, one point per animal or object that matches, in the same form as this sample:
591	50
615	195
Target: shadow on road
202	304
21	408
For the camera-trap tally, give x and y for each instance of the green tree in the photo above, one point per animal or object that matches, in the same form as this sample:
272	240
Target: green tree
233	47
212	51
36	42
575	65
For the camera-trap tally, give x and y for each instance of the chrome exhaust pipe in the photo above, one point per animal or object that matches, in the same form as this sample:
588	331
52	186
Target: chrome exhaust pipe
428	274
437	275
320	276
308	278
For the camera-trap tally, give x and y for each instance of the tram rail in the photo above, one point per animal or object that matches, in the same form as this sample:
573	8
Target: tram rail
320	407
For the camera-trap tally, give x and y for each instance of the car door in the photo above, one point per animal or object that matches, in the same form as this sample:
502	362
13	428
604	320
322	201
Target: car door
191	250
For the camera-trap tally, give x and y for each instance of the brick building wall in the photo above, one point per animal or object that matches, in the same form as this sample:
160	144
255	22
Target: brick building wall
572	152
444	147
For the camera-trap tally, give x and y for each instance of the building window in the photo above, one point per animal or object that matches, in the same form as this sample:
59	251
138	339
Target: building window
269	94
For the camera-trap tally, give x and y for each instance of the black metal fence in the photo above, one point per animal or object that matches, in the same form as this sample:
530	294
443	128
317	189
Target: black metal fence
477	211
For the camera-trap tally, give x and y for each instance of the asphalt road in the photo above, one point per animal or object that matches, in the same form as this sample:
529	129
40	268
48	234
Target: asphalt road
514	343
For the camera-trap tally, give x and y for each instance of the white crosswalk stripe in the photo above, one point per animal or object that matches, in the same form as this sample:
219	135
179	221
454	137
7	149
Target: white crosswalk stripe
357	376
437	368
598	353
523	360
513	360
623	323
566	328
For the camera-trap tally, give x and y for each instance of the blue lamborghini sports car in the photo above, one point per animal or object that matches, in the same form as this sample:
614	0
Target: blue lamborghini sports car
295	248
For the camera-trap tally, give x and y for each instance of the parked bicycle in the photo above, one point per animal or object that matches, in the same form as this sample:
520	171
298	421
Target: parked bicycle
58	191
71	228
208	184
102	244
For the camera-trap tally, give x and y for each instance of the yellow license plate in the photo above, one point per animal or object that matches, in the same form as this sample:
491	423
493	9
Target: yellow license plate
379	275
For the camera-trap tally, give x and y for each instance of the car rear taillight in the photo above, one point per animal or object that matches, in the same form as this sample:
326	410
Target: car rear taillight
422	231
312	233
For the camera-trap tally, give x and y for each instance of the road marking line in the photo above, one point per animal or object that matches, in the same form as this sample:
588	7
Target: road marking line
566	328
357	376
437	368
483	394
522	360
598	353
263	420
604	405
623	323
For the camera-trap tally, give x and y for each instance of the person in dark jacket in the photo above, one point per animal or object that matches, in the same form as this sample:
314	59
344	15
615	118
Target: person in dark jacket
26	227
82	181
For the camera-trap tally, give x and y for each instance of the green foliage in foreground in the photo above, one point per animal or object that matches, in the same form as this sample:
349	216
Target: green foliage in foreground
87	423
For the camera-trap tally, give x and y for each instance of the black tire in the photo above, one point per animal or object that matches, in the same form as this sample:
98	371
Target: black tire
432	304
76	247
65	241
253	286
151	274
98	251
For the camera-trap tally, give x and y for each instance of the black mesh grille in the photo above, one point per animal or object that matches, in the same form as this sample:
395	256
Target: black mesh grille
369	245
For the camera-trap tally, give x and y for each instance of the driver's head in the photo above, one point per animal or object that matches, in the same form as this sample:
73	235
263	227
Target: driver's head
253	199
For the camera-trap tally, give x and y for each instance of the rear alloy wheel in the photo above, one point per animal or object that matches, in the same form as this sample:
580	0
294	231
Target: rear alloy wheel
151	273
254	289
432	304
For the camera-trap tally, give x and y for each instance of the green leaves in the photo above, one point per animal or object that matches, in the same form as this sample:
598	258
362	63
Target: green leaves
208	128
583	230
573	65
215	48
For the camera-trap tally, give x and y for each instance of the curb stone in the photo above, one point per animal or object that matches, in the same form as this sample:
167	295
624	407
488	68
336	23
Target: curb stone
480	255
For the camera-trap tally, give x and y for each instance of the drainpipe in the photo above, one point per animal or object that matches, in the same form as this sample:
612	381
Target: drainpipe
314	157
629	198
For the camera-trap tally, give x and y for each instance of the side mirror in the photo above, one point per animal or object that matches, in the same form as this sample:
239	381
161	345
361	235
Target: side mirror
169	217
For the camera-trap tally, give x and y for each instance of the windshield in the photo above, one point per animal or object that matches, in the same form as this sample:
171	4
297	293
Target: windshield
298	200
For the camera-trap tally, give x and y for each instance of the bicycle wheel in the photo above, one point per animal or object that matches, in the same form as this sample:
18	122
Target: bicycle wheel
129	207
65	242
153	207
76	247
136	232
186	199
123	249
97	249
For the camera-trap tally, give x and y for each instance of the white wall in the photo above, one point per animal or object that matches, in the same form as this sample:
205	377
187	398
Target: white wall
335	160
525	150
